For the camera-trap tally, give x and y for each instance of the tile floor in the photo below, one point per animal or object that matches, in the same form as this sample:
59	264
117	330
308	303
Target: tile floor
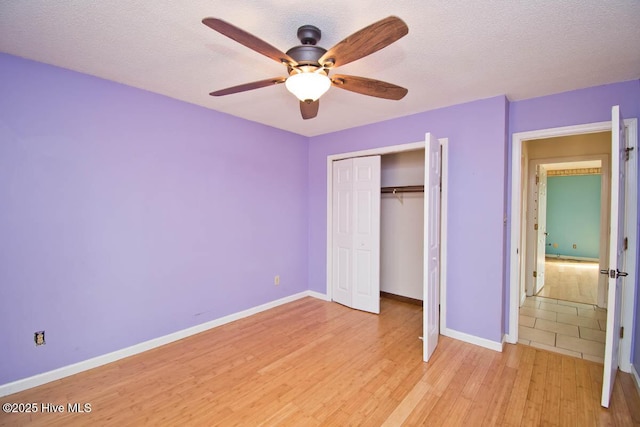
571	328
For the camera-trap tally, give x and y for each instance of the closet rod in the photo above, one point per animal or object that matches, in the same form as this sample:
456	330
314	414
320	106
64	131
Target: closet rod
403	189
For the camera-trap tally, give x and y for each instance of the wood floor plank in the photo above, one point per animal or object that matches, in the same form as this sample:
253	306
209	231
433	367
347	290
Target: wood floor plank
312	362
585	396
452	404
552	392
568	393
518	399
490	385
631	396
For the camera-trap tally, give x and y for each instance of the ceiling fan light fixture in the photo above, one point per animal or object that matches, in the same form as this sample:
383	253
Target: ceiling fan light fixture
308	87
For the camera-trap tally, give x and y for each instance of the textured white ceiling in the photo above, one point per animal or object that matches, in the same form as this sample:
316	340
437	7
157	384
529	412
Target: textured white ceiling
456	50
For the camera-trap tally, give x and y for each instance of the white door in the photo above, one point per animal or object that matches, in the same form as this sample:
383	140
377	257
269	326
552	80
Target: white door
540	226
616	253
356	235
342	276
431	299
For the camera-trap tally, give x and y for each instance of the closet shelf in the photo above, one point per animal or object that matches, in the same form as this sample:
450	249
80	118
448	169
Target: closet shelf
403	189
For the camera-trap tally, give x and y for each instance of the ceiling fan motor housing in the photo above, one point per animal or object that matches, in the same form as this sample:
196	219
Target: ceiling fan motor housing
307	53
309	34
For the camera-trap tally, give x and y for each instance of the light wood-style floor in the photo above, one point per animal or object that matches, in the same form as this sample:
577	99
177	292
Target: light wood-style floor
312	362
568	280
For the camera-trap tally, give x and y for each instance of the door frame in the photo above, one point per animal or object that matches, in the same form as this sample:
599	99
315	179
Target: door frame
532	238
444	144
517	139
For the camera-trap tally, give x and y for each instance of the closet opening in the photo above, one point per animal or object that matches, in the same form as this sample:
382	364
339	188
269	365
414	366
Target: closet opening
402	226
386	230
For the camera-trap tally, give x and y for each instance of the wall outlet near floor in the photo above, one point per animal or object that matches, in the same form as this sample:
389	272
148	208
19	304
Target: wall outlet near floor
575	246
276	280
38	337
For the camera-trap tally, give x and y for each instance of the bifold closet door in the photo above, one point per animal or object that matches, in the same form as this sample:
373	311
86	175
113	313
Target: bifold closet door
356	233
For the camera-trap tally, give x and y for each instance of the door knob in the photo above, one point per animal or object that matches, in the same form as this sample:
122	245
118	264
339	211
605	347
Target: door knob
621	273
614	274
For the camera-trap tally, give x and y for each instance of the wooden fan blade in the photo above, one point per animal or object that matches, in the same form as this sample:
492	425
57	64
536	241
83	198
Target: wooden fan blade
366	41
248	40
248	86
309	110
369	87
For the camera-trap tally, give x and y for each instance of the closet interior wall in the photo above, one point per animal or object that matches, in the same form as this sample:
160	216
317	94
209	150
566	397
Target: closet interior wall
402	225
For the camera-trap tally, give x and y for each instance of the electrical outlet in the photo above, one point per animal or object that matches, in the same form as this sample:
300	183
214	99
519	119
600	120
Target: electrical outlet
276	280
38	337
575	246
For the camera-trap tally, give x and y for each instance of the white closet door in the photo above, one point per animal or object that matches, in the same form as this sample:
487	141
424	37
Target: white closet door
356	233
366	234
342	276
431	302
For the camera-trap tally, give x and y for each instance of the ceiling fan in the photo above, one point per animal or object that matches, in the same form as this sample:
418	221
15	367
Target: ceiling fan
308	65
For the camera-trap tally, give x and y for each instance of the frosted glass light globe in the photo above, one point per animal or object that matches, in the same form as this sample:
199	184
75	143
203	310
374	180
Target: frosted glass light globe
308	86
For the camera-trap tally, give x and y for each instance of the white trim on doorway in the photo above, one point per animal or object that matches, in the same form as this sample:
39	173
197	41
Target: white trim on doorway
632	215
444	200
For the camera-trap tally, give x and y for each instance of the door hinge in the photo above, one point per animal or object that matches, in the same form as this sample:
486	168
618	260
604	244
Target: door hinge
627	153
625	244
535	274
535	226
537	179
621	331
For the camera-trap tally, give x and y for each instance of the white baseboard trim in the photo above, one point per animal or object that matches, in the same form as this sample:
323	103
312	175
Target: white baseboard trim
65	371
625	366
523	298
507	338
636	377
318	295
472	339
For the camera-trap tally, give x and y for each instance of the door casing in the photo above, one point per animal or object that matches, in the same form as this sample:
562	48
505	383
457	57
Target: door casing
517	140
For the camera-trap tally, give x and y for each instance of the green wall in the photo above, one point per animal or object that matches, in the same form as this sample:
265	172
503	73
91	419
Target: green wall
573	215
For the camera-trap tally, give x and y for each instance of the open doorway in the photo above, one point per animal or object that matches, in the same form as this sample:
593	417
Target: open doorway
568	220
576	220
402	226
565	227
622	235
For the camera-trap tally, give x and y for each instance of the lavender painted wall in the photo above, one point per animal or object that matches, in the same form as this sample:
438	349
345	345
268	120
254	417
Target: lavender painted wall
572	108
476	133
126	216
